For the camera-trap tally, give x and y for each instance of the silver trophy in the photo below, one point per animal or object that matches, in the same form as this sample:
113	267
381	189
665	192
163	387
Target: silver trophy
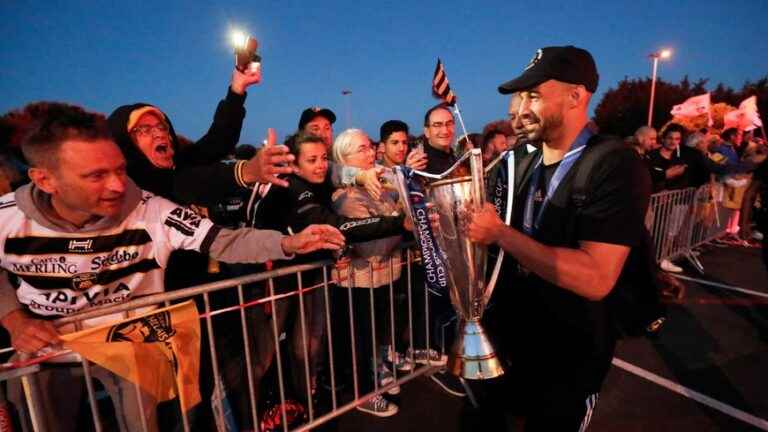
472	356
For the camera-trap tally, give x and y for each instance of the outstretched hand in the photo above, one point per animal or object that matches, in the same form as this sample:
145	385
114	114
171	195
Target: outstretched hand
369	179
269	161
312	238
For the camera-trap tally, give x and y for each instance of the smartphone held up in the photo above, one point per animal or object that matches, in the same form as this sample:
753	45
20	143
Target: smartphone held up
246	56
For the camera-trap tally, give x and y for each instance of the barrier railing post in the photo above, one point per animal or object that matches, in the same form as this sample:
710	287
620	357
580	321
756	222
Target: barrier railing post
355	383
217	384
89	387
33	399
409	261
305	342
392	351
278	355
330	337
248	359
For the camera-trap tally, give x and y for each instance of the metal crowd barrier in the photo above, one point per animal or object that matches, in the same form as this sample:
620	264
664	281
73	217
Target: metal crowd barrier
681	220
327	287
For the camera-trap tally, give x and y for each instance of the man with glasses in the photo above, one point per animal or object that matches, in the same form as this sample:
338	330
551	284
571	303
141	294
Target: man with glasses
440	130
159	163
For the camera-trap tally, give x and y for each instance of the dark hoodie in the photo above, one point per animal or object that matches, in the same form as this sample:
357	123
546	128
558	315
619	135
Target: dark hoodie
194	162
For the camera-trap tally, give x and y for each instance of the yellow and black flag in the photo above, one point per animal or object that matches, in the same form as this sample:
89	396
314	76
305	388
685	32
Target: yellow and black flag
159	351
440	87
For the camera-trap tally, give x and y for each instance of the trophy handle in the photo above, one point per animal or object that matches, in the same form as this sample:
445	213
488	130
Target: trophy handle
507	220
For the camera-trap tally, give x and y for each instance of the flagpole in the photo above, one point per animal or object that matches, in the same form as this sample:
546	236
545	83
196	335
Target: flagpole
461	120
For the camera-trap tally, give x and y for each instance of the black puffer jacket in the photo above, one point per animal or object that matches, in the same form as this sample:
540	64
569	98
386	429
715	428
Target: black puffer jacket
194	162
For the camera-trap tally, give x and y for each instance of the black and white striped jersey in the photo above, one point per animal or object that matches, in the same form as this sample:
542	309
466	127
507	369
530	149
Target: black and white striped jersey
61	273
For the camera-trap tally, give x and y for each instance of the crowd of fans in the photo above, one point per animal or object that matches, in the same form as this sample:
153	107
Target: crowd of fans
345	182
732	162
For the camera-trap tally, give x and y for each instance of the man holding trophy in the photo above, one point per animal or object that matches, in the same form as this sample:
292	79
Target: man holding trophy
566	249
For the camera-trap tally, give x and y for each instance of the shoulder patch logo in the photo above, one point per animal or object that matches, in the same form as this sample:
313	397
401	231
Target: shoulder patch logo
306	195
184	220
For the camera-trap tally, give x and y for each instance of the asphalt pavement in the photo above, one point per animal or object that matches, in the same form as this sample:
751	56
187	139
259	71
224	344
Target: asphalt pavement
706	371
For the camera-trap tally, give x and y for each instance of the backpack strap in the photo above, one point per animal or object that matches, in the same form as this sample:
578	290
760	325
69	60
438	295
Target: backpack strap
597	148
523	169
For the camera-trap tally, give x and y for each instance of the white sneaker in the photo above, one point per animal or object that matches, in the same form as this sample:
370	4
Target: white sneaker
668	266
757	235
399	361
386	377
378	406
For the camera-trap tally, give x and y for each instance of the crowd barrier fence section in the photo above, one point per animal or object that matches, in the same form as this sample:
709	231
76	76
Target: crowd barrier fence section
316	288
683	219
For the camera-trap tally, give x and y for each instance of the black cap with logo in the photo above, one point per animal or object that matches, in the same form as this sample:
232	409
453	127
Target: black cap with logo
313	112
563	63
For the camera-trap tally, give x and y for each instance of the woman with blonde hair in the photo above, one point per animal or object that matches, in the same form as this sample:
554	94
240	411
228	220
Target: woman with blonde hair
373	265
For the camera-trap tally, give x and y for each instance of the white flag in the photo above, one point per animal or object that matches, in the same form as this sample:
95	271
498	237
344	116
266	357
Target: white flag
692	107
746	117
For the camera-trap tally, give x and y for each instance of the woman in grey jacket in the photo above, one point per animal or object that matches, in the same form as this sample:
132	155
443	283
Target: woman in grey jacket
373	265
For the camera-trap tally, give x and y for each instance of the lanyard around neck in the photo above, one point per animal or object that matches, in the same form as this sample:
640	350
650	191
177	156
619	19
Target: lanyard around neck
565	165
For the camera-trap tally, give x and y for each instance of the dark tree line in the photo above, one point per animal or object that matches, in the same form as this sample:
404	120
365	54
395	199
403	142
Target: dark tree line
625	108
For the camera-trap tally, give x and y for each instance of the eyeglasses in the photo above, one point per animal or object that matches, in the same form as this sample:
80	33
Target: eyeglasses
439	125
365	150
147	129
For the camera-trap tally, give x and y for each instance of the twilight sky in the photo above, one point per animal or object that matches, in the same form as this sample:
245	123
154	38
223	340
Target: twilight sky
176	54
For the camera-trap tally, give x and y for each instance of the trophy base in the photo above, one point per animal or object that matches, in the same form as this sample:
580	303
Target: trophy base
472	356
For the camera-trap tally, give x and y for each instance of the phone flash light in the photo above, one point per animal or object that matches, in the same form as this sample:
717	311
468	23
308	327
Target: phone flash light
238	39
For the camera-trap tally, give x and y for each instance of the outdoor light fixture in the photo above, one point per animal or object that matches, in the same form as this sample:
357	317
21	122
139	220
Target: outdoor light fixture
664	54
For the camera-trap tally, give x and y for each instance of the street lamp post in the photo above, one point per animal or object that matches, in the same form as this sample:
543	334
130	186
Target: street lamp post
348	100
655	57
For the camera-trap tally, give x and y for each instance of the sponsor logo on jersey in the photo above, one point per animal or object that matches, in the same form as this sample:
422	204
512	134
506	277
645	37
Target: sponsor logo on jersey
101	296
47	265
116	257
305	195
84	281
81	246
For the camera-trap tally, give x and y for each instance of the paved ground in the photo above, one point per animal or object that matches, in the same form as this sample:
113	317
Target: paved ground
714	348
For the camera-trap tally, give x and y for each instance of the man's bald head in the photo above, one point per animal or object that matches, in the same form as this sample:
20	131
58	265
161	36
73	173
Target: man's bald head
646	138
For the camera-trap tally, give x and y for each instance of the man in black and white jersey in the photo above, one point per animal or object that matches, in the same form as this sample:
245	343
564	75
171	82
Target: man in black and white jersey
83	235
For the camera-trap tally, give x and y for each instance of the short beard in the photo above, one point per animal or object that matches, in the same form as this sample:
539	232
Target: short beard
551	127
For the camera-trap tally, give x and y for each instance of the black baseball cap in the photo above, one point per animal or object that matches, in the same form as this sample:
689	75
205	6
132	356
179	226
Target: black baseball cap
312	112
563	63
